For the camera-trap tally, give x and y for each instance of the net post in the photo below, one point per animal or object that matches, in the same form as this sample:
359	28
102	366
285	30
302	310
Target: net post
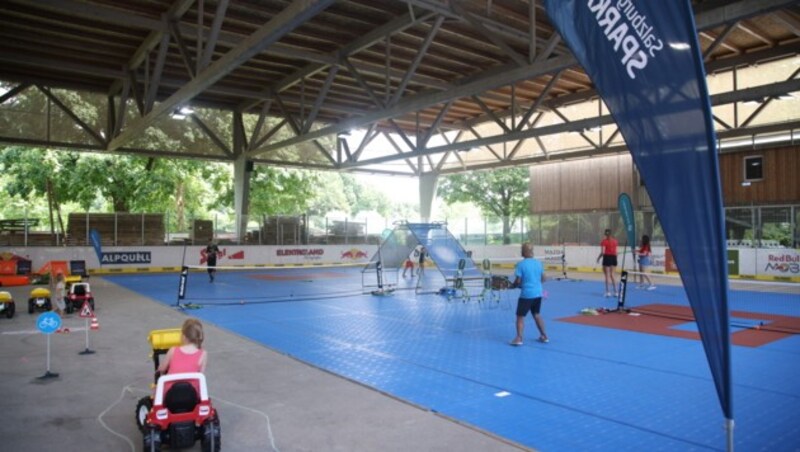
379	272
563	276
182	286
623	286
183	259
623	289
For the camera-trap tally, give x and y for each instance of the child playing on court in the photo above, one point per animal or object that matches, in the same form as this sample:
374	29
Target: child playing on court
644	253
408	265
189	356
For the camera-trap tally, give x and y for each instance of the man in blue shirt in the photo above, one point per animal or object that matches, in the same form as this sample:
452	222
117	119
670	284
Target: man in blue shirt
529	278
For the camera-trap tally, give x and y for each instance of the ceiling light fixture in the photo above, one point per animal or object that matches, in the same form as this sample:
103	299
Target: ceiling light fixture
679	45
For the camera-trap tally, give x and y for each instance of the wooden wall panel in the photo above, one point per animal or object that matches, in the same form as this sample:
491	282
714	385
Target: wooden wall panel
595	184
545	188
780	184
581	185
605	174
788	175
578	185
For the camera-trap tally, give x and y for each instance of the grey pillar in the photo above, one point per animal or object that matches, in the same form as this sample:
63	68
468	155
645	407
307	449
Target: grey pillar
242	170
428	183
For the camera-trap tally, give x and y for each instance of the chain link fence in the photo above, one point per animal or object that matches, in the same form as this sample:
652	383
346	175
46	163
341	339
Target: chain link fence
755	226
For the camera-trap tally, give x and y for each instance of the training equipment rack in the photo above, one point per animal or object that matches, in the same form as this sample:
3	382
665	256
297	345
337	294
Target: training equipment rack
442	249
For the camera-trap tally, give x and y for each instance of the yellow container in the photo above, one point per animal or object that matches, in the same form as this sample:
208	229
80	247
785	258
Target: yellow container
40	293
164	339
5	297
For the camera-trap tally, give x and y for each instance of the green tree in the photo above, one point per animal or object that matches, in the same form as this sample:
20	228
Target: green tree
329	195
273	191
32	173
404	211
281	191
500	193
362	198
123	183
181	188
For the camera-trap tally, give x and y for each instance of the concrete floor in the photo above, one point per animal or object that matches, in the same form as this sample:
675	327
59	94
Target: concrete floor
267	401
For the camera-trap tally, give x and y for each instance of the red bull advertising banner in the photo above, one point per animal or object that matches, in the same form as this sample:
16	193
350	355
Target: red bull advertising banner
354	254
781	263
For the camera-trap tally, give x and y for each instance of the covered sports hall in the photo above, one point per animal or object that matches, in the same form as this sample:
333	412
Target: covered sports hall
308	350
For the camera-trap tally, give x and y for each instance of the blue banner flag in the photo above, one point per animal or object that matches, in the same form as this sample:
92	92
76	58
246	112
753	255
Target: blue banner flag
646	64
94	237
626	211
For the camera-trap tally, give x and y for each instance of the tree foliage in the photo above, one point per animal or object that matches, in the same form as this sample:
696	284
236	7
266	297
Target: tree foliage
183	189
329	195
273	191
362	198
500	193
126	183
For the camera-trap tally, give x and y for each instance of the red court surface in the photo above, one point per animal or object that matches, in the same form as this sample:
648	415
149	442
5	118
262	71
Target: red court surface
662	319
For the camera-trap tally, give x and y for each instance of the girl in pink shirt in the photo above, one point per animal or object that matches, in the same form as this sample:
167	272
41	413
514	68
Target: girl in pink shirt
189	356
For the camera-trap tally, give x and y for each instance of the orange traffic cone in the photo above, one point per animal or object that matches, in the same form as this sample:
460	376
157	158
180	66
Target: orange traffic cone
95	325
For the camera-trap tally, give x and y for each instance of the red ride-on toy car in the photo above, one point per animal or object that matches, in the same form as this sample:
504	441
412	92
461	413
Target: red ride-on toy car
7	305
78	294
180	415
180	411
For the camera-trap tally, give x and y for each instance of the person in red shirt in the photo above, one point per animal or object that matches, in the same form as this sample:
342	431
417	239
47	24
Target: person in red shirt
608	252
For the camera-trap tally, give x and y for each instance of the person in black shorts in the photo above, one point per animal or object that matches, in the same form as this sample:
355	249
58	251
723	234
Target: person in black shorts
212	250
608	252
529	274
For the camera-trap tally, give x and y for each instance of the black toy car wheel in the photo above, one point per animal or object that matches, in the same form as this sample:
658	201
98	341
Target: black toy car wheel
212	436
69	307
10	310
142	410
48	306
152	440
91	303
30	307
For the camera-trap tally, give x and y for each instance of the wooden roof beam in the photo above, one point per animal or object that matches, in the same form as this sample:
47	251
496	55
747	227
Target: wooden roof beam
297	13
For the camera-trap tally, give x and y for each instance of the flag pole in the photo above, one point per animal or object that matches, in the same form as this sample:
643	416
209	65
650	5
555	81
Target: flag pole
729	431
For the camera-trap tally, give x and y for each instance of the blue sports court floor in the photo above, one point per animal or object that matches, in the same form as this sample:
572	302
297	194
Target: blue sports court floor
592	387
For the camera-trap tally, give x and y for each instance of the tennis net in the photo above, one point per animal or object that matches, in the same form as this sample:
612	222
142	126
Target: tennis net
267	284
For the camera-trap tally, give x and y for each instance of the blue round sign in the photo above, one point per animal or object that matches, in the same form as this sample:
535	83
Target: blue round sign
48	322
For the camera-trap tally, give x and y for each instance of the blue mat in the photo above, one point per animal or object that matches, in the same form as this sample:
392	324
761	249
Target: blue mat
589	389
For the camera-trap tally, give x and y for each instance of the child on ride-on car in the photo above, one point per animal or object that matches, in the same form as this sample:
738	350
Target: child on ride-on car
189	356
